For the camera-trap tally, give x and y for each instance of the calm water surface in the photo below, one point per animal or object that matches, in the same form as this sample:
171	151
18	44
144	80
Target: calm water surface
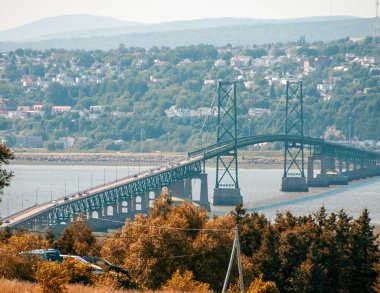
260	189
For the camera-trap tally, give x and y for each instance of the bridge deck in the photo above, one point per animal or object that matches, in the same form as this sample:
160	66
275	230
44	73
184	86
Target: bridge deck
196	156
43	207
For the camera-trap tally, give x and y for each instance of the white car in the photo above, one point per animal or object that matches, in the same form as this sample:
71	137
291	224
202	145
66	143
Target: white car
95	269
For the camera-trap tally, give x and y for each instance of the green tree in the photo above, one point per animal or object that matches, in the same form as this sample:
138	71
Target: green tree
57	94
12	72
5	176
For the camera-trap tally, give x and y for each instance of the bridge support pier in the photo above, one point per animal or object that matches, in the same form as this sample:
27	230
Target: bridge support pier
188	189
329	175
204	202
177	189
227	197
321	180
334	177
294	184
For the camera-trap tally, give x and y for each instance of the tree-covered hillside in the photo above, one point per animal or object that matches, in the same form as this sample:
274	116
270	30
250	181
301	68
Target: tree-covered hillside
161	96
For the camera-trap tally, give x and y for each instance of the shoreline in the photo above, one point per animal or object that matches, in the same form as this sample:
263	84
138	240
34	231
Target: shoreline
120	159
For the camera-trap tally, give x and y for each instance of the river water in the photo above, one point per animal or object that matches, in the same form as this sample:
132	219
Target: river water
259	187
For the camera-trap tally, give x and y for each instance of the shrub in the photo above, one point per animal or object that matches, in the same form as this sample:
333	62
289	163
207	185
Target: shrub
116	281
14	265
78	272
260	286
52	277
185	283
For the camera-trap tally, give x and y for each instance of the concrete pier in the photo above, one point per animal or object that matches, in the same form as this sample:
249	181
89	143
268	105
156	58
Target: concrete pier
329	175
188	191
177	189
294	184
227	197
204	202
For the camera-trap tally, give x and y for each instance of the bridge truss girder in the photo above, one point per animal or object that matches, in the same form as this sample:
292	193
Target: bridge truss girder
87	204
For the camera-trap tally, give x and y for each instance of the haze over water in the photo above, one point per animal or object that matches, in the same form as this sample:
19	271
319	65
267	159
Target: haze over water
259	187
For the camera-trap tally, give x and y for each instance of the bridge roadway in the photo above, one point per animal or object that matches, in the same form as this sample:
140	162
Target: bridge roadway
193	157
59	203
224	147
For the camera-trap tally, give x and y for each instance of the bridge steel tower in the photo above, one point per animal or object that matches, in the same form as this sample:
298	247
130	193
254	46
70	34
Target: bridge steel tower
227	191
294	175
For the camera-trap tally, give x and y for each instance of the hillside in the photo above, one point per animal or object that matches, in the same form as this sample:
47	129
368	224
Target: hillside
109	95
216	32
68	24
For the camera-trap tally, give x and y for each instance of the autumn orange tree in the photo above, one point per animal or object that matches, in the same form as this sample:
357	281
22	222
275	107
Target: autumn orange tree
78	239
153	248
14	265
314	253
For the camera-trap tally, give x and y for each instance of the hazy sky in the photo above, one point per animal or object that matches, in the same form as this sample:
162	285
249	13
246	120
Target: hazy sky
17	12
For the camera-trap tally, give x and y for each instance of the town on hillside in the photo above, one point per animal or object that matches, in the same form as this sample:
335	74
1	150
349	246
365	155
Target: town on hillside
106	100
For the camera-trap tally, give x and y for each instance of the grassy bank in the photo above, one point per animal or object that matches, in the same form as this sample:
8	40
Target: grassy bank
12	286
247	159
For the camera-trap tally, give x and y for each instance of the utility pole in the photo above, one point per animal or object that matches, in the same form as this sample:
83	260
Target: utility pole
375	36
249	127
36	196
349	130
235	249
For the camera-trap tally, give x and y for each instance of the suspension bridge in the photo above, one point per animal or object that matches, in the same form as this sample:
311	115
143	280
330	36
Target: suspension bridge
109	205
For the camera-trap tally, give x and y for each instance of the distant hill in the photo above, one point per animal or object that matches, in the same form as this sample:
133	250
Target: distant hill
211	31
61	24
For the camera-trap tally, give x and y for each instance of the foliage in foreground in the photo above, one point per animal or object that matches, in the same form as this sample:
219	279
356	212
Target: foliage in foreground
259	286
185	283
77	239
316	253
52	277
181	246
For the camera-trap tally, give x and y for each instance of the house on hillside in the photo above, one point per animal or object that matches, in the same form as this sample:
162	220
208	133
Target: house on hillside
258	112
60	109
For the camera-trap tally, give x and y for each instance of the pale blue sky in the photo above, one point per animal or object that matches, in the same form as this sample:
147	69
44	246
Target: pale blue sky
17	12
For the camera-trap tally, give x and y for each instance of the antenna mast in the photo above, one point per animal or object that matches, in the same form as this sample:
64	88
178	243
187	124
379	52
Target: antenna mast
376	31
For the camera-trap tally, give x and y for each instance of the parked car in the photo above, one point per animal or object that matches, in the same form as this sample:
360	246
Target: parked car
47	254
95	269
102	262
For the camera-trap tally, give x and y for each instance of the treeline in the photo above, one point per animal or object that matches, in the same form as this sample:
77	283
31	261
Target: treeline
314	253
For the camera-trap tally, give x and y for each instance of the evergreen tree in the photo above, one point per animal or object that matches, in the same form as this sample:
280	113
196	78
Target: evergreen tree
364	255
